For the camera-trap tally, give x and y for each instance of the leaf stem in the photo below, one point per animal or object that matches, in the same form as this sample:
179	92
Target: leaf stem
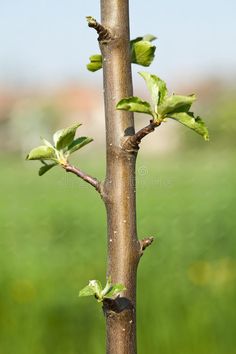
133	141
87	178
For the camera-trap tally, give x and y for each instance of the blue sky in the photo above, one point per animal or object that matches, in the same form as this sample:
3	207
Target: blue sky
48	42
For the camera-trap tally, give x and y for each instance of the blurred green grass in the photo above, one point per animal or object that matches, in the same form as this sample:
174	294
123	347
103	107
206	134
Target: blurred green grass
53	239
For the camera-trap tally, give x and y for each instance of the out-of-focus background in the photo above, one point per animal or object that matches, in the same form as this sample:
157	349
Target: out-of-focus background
53	228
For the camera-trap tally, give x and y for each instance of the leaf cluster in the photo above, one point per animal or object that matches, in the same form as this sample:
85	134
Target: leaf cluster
94	288
65	144
142	52
163	105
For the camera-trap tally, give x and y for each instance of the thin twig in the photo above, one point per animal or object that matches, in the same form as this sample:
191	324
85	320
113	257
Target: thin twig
132	143
87	178
103	32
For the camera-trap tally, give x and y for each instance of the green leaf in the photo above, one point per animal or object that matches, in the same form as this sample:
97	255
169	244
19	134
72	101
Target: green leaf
142	52
147	37
45	168
134	104
87	291
41	153
95	63
94	288
188	119
175	104
141	49
115	290
156	87
64	137
78	144
47	143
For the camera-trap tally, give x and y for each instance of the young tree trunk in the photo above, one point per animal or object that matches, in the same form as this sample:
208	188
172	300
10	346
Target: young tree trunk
119	186
118	189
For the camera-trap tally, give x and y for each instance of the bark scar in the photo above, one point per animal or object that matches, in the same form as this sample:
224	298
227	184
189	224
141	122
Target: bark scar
117	305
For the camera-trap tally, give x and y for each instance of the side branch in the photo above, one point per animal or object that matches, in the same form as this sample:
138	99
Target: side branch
87	178
132	143
146	242
103	33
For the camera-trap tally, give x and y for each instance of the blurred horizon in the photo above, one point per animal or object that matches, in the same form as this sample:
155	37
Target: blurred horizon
26	114
48	43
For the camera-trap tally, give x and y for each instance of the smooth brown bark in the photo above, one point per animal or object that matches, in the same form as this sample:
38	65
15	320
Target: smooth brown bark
119	186
118	189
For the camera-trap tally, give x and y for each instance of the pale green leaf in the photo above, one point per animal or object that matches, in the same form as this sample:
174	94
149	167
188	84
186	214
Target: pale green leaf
175	104
188	119
134	104
41	153
95	63
149	37
115	290
87	291
45	168
142	52
93	288
156	87
96	286
64	137
47	143
78	144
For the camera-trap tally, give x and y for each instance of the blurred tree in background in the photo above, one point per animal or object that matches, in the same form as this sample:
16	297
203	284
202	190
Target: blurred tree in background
46	228
44	237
